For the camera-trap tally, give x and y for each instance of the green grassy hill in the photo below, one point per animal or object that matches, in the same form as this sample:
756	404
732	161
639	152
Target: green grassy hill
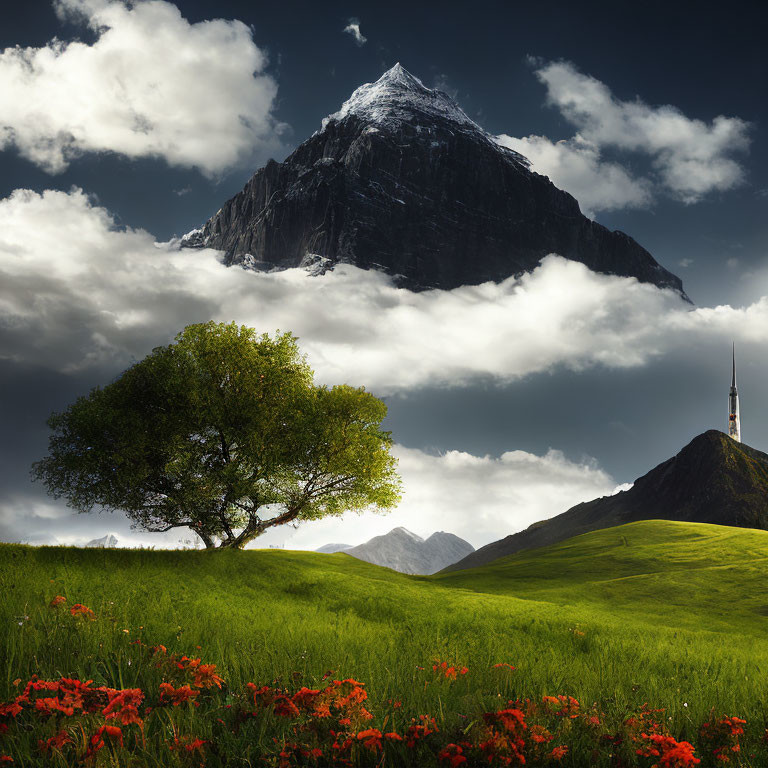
675	614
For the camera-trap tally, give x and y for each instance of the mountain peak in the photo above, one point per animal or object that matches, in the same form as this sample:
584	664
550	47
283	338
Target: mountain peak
404	551
401	180
399	75
397	97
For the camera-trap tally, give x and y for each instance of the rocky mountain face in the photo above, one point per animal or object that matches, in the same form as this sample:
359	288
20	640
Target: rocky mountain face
713	479
110	540
406	552
400	179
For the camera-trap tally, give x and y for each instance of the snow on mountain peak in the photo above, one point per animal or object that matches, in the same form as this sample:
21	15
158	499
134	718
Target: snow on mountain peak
396	97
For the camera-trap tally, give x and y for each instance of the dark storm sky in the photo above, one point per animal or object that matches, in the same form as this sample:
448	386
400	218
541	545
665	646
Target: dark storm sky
704	59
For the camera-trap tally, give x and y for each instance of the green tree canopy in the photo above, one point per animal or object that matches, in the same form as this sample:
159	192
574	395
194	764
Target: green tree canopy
225	432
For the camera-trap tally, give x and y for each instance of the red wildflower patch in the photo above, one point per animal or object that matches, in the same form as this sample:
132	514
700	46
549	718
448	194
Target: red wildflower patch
671	753
722	737
58	600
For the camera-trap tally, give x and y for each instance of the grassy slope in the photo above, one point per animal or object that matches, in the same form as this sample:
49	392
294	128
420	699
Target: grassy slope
665	612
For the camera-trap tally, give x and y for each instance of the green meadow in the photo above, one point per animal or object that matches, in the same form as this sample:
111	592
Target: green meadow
670	614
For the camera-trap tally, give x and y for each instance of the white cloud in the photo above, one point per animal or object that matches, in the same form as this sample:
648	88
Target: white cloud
576	166
150	85
692	157
479	498
689	157
353	28
75	293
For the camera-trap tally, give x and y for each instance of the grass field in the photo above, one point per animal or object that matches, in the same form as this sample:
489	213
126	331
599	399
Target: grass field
670	614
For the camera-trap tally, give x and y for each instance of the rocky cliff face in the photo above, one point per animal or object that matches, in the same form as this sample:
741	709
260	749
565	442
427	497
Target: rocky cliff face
713	479
401	180
406	552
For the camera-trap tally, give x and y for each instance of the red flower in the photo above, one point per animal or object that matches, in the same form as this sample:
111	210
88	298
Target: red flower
284	707
123	705
511	720
188	744
452	755
371	739
558	753
176	696
305	698
55	742
58	600
539	734
97	740
78	609
206	677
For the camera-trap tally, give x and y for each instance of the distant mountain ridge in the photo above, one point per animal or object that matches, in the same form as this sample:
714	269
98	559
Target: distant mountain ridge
329	549
713	479
404	551
401	180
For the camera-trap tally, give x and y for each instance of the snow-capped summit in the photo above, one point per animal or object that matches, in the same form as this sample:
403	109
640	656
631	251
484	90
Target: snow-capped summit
398	96
401	180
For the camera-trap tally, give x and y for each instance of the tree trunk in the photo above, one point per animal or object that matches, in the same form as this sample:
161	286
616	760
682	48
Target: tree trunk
239	541
207	540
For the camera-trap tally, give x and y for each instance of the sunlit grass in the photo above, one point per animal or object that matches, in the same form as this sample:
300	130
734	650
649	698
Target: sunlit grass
668	613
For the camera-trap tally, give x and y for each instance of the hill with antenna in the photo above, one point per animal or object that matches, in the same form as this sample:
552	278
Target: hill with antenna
714	479
402	180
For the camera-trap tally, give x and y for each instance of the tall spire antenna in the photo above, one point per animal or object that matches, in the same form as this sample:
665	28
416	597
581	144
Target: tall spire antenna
734	423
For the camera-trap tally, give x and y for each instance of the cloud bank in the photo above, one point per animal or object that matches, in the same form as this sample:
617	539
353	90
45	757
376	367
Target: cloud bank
690	158
150	85
78	293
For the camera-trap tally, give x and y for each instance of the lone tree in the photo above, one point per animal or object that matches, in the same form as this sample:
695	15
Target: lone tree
224	432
